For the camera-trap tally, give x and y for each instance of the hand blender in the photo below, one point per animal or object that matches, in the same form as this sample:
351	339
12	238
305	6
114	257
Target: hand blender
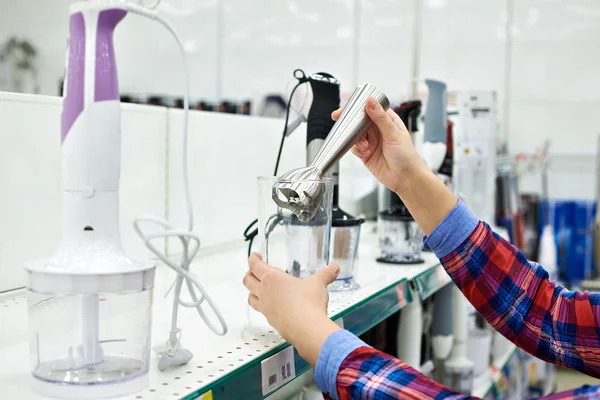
399	235
302	235
447	167
345	228
89	304
436	124
298	190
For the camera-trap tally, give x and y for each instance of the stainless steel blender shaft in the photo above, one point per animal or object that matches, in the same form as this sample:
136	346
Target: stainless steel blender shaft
299	190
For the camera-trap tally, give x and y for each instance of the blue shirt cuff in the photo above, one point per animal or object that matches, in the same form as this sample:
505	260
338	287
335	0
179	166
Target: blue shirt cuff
333	352
452	231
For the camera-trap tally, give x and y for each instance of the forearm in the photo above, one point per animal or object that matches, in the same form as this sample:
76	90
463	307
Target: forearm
309	339
427	198
368	373
515	295
349	369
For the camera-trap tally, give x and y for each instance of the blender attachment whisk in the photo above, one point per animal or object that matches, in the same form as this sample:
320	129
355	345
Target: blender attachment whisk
298	190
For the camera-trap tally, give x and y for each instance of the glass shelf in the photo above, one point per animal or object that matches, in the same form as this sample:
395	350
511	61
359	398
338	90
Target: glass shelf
227	367
245	382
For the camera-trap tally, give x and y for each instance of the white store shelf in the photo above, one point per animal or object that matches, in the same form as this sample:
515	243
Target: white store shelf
220	364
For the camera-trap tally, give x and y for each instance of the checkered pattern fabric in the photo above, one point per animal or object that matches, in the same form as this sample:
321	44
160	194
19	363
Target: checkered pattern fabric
516	297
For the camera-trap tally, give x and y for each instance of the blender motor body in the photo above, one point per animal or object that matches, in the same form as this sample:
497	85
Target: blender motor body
90	305
400	238
345	228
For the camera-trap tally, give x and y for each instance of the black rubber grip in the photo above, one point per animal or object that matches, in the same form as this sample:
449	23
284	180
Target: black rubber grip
326	99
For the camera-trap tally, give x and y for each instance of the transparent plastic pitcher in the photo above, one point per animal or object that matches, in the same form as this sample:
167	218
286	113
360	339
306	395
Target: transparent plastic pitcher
300	248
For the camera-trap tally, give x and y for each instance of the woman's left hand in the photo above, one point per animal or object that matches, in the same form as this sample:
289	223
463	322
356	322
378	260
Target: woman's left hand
296	308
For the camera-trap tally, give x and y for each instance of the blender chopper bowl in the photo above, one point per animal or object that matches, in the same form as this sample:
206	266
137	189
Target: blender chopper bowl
345	234
286	241
400	238
89	322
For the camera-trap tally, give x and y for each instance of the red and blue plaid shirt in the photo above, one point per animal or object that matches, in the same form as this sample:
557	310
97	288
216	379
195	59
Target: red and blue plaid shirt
513	294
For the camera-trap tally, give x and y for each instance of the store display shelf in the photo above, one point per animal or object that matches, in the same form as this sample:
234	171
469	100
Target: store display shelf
226	367
493	379
431	280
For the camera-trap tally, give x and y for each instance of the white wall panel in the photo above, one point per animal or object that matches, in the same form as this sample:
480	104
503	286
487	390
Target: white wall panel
147	56
463	44
385	53
264	41
30	202
555	85
226	155
30	205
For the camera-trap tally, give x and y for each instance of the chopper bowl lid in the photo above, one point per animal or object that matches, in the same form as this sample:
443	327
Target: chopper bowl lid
341	219
89	267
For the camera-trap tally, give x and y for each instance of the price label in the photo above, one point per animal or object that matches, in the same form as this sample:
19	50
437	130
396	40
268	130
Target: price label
277	370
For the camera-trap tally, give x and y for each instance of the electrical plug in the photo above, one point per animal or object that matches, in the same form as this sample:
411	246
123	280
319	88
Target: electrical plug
174	357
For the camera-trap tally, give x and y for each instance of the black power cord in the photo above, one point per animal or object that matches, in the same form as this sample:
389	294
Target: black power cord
251	232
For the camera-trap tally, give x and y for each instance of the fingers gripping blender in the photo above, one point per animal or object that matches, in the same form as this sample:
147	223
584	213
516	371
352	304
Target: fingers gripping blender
345	228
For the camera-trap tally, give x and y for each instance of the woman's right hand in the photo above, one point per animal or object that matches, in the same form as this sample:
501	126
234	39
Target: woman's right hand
386	148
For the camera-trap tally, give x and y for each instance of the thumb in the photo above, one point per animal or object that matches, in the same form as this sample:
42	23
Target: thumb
381	118
328	274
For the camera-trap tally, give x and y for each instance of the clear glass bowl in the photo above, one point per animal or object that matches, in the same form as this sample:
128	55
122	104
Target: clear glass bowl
299	248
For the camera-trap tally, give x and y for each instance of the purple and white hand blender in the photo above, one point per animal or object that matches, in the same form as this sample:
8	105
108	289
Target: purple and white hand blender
89	304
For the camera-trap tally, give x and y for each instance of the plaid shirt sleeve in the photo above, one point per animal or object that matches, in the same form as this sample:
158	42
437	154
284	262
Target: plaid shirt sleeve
517	298
513	294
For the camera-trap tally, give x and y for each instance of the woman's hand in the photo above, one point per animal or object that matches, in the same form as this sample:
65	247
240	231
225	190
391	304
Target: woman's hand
296	308
386	149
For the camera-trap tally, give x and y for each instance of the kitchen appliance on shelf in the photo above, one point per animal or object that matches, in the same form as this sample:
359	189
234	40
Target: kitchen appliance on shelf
399	235
300	190
90	305
345	228
475	139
